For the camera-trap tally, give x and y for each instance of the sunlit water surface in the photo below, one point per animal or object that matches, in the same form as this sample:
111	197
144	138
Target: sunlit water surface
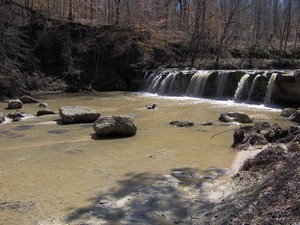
48	169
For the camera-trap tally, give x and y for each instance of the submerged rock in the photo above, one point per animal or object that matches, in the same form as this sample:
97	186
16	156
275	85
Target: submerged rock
14	104
182	123
119	125
293	147
235	117
28	99
78	114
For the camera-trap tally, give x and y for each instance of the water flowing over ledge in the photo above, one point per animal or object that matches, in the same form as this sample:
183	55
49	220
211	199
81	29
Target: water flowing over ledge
266	87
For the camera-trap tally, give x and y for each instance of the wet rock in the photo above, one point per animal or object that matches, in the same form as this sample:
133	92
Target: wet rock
275	133
14	104
287	112
43	105
2	118
182	123
77	114
119	125
44	112
207	123
257	139
225	118
14	115
293	147
235	116
28	99
295	117
238	137
262	125
153	106
16	119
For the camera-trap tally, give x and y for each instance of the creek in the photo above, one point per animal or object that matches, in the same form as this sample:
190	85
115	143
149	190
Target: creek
50	170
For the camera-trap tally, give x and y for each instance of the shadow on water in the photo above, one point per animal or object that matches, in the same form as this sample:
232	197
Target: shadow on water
145	198
96	137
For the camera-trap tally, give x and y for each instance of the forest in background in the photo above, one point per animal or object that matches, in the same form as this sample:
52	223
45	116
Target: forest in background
106	44
213	26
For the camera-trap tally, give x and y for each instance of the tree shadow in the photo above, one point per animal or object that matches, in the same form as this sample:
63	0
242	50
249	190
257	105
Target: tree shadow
145	198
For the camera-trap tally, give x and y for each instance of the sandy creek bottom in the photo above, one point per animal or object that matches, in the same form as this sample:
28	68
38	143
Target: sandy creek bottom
49	170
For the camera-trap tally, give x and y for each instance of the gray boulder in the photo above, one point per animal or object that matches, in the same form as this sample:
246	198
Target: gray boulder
119	125
235	116
77	114
28	99
14	104
287	112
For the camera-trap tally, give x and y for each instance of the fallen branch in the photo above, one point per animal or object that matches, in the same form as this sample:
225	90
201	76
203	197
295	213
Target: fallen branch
222	132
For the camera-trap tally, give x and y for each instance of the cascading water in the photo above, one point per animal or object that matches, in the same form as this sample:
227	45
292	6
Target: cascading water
242	90
270	87
253	86
222	79
166	84
197	85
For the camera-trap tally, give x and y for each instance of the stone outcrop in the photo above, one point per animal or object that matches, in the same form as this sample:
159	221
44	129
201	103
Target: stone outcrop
182	123
28	99
119	125
235	117
77	114
14	104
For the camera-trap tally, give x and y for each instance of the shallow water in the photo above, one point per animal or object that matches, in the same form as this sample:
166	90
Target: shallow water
49	170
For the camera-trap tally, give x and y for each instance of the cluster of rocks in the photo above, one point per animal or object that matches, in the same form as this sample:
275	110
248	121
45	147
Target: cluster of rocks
263	133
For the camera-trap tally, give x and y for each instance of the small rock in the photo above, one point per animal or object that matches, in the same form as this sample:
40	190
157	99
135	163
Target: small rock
28	99
153	106
257	139
43	105
2	118
182	123
44	112
207	123
14	115
14	104
16	119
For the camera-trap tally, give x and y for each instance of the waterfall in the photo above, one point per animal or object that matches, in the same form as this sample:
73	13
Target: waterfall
270	87
197	85
222	79
242	89
253	86
165	84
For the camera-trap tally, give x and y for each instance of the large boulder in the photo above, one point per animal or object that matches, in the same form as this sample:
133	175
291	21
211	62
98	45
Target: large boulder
235	116
28	99
77	114
14	104
119	125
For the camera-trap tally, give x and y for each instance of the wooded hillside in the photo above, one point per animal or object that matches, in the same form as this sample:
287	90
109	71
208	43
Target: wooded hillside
213	25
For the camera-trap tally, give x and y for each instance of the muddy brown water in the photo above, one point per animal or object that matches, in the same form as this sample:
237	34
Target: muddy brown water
49	170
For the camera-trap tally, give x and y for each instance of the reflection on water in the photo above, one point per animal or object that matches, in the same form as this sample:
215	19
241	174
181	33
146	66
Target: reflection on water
48	169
